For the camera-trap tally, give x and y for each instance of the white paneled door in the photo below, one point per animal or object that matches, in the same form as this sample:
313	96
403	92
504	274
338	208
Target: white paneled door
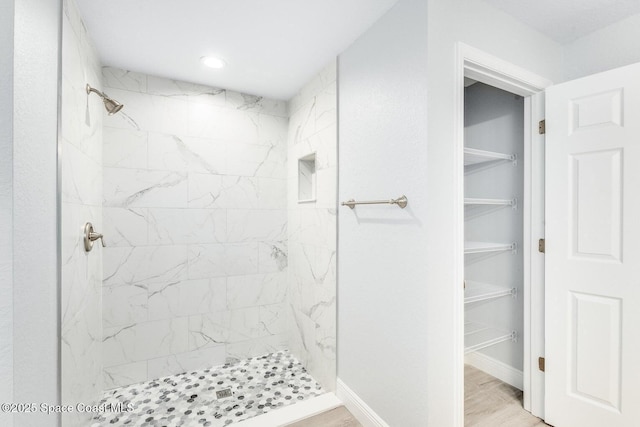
593	251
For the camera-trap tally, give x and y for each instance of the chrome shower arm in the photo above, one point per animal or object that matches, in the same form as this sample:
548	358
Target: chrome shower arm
111	105
90	89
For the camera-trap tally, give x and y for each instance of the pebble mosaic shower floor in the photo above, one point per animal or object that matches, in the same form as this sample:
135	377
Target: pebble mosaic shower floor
257	385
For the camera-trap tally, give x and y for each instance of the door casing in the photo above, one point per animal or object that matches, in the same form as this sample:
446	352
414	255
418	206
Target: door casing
478	65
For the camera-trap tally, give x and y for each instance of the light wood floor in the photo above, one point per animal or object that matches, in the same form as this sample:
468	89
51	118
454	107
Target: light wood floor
488	402
339	417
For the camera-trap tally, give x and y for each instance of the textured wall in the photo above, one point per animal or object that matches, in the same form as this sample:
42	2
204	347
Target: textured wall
382	249
6	207
312	228
613	46
196	227
81	185
483	27
35	269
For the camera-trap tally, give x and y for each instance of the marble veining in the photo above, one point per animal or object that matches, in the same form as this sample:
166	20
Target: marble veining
177	88
304	122
192	158
81	120
186	298
250	101
123	79
195	199
256	290
311	260
143	265
129	120
226	191
140	188
280	257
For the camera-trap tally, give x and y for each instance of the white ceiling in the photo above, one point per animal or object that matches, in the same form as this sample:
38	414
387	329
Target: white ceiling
567	20
273	47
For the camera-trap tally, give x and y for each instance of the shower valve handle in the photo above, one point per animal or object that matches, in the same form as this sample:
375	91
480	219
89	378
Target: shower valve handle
91	236
95	236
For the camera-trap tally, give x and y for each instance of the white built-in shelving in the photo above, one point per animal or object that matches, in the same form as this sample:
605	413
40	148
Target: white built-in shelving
486	247
489	202
478	291
474	156
478	336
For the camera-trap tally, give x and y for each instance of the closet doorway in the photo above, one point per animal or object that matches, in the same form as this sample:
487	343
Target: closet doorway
501	205
585	325
493	260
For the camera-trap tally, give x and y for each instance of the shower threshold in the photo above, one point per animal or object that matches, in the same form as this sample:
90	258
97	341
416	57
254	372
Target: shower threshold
255	386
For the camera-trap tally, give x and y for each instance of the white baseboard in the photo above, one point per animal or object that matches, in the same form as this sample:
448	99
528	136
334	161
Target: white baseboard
495	368
294	413
359	409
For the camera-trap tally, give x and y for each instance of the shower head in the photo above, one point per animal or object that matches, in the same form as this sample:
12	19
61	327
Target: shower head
111	105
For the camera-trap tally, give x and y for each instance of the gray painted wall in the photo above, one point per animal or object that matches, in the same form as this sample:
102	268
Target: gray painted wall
35	271
6	207
397	268
613	46
382	249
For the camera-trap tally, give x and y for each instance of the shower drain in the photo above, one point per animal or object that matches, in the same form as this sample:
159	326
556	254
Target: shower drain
221	394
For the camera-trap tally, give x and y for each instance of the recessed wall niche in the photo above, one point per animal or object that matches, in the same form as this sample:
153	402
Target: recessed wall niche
307	178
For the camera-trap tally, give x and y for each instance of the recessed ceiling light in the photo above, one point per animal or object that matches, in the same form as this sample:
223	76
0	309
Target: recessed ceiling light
212	62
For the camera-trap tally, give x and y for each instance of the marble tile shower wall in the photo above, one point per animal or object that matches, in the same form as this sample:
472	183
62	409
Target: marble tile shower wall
312	228
81	189
195	198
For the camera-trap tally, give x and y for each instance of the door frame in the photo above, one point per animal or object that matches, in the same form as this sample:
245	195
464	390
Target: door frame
491	70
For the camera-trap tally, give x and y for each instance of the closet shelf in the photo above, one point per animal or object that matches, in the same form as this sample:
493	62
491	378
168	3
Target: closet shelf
484	247
473	156
477	291
494	202
478	336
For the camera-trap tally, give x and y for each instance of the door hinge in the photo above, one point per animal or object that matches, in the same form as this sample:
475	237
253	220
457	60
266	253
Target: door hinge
541	363
541	127
541	245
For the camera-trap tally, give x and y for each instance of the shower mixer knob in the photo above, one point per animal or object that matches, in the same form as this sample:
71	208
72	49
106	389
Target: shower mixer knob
91	236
